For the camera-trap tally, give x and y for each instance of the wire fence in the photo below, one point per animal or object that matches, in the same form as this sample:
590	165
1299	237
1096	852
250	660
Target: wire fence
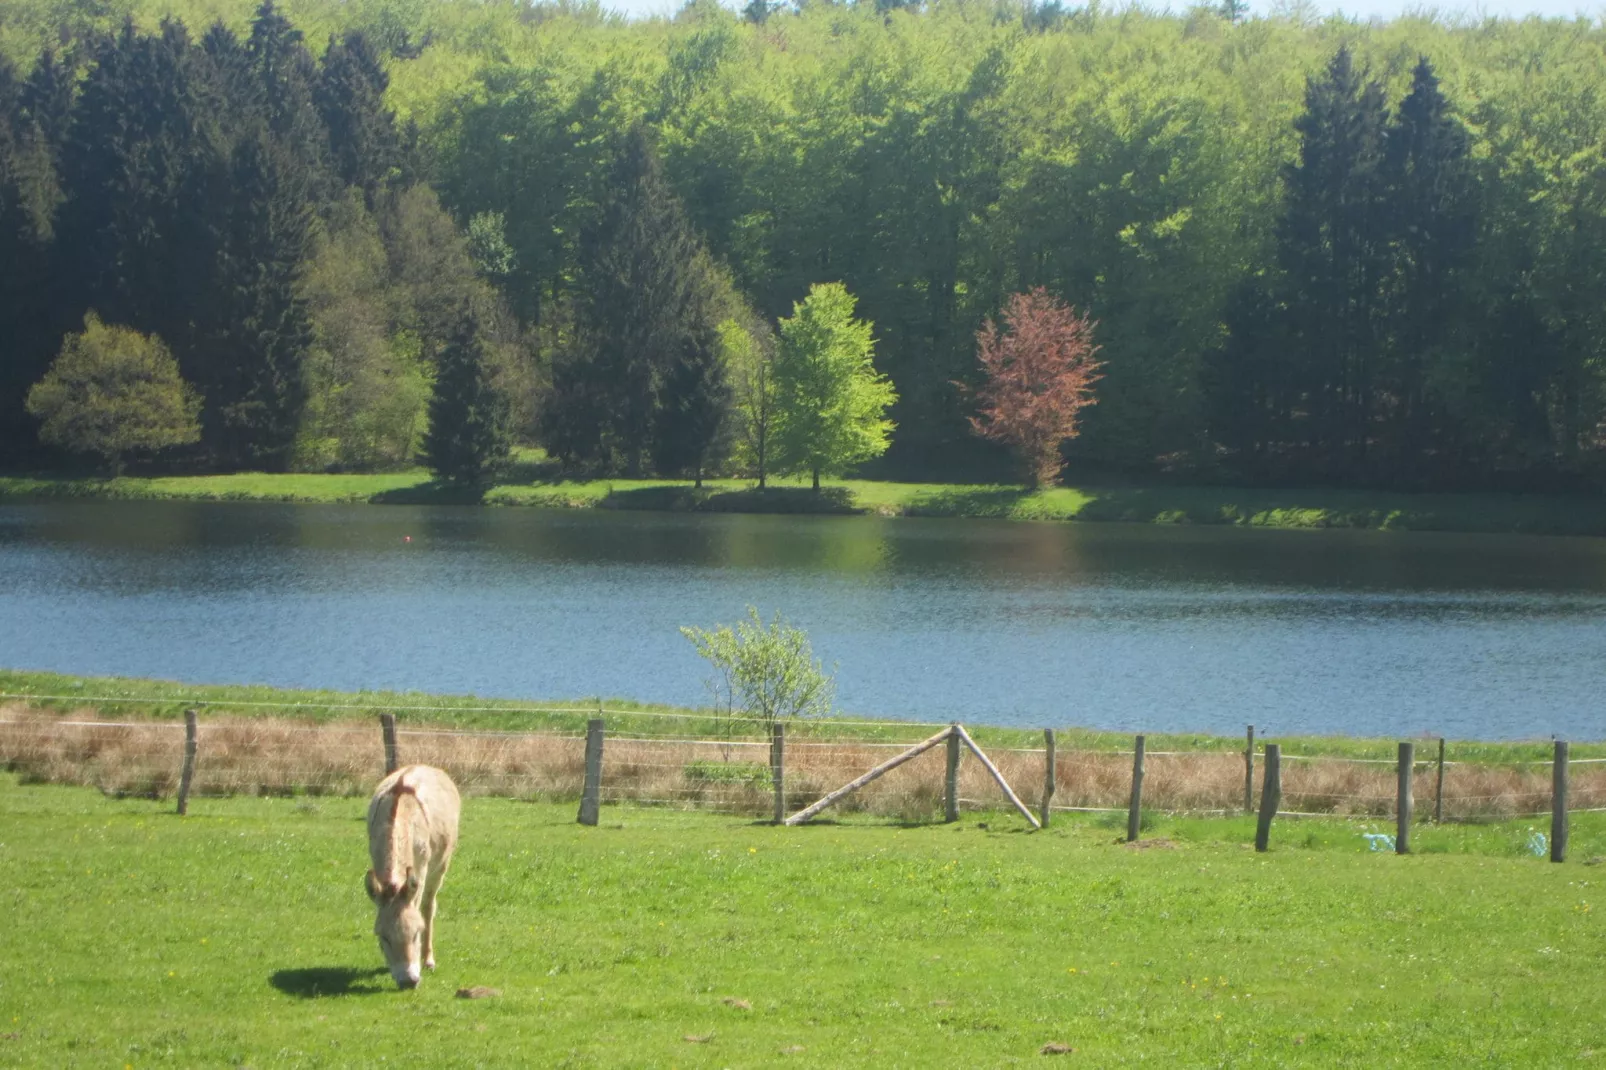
254	755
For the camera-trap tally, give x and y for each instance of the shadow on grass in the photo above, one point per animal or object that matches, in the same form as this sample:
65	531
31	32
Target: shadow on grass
433	492
967	501
835	501
684	498
318	981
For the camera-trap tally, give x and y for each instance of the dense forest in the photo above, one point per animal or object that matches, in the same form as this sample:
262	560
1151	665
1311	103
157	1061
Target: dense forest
1315	252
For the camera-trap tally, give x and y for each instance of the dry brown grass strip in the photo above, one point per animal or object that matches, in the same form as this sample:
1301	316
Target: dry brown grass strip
272	756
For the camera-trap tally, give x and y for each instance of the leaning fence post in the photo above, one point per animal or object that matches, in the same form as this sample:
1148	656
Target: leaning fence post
1048	773
1438	788
1558	804
1249	770
187	777
1271	795
951	785
1404	802
387	728
1135	806
778	768
591	795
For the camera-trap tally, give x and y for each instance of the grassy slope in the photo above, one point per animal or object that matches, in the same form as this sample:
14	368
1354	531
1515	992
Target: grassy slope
240	935
1199	505
123	698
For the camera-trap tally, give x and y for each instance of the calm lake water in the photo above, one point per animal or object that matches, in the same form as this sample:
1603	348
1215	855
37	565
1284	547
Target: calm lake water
1114	626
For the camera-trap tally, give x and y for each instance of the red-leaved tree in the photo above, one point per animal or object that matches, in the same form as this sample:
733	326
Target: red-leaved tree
1040	373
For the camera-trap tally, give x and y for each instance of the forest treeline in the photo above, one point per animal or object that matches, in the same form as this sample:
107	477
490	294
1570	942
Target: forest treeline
1315	252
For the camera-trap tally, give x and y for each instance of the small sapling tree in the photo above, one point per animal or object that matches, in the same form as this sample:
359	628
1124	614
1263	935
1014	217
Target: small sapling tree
763	673
114	391
1039	374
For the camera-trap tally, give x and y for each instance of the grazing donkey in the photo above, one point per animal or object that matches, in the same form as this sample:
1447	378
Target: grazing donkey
412	832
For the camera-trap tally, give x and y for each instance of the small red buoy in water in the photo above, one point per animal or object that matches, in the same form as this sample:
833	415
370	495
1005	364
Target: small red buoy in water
407	538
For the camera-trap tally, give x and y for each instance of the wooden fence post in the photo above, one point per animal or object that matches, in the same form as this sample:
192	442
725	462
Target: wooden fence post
387	729
1134	809
187	777
1249	770
1404	802
951	784
778	768
591	796
1438	788
1271	795
1049	773
1558	804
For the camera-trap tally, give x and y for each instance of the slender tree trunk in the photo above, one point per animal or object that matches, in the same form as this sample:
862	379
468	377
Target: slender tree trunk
816	480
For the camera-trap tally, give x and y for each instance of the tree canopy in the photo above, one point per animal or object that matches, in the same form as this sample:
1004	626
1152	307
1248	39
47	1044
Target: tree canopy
830	402
114	391
1317	250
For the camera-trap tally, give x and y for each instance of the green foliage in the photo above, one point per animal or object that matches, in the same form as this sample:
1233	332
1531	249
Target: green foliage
114	391
368	380
748	350
830	402
1443	329
708	771
469	437
765	673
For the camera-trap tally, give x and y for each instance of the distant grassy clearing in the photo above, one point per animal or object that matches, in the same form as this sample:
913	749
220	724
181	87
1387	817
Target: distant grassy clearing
241	935
1322	508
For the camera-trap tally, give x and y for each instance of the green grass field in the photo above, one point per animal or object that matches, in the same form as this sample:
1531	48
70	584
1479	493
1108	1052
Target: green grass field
240	936
529	485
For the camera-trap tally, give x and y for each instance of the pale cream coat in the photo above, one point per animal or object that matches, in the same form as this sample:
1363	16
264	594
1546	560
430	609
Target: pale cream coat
412	833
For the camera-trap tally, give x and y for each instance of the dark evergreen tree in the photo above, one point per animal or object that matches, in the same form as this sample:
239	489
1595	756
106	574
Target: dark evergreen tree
691	426
33	119
1246	387
469	438
258	331
363	141
285	76
18	364
1334	255
639	273
1432	223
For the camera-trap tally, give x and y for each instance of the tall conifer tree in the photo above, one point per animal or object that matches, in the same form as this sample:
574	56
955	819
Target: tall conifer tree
260	331
1432	221
640	317
1334	253
469	437
363	142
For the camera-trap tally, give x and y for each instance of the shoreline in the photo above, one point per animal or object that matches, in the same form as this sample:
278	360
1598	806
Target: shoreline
1481	513
140	699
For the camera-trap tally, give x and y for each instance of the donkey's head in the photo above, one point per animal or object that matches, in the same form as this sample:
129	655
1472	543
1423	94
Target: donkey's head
399	926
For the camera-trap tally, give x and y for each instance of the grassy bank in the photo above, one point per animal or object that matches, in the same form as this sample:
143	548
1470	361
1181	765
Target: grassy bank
122	737
124	698
241	936
1492	513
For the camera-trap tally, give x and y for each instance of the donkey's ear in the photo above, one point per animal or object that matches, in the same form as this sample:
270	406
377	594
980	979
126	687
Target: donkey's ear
375	891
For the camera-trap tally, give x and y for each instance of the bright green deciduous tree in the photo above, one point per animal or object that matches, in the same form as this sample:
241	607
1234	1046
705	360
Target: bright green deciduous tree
830	402
114	391
767	673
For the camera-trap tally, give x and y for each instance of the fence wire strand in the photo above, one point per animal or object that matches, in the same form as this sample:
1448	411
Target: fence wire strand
252	755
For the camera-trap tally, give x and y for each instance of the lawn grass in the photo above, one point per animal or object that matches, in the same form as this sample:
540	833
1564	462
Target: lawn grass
531	484
240	935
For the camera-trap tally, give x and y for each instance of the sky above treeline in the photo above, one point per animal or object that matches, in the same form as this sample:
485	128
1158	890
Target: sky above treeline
1362	9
